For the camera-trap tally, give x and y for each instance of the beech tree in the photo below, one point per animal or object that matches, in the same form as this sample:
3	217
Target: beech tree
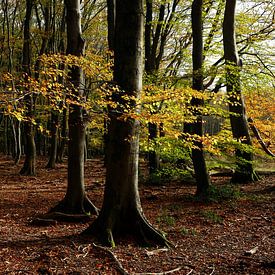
121	211
198	158
30	150
238	119
76	200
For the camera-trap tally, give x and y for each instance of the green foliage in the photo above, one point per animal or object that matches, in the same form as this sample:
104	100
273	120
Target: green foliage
186	231
165	218
223	193
212	216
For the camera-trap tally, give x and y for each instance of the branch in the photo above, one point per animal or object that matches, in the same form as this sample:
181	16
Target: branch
258	136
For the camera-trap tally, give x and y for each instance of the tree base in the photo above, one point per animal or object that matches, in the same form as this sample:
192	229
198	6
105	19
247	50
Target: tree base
139	228
239	177
27	171
68	208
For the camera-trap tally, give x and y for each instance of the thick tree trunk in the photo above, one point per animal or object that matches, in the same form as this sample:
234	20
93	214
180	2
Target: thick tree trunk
198	158
240	128
121	212
30	150
75	201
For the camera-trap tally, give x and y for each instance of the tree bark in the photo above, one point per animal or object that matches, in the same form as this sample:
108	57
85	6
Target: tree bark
30	149
75	201
198	158
238	119
121	213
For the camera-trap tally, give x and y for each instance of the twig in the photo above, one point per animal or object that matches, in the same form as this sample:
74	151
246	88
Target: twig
155	252
119	265
212	272
161	273
190	272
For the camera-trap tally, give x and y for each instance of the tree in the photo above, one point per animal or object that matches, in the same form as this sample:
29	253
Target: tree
121	211
201	173
240	128
30	150
76	200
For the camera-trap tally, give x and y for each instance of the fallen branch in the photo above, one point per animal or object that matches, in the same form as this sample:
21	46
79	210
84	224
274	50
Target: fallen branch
251	251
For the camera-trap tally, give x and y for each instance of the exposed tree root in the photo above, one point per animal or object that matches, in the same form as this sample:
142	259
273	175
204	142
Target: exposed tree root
124	271
86	207
138	227
53	217
113	256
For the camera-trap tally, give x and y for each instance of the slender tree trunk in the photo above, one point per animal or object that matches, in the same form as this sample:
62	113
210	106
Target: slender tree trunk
198	158
121	212
53	141
76	200
63	137
30	150
238	119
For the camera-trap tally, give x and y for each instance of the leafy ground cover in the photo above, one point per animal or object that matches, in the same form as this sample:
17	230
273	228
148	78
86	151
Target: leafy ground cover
235	236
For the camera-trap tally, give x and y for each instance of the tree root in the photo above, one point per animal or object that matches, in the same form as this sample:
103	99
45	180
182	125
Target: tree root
113	256
52	218
138	227
148	235
85	208
123	271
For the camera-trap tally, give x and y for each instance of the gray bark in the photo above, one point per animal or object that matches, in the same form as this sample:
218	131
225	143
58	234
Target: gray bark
121	212
240	128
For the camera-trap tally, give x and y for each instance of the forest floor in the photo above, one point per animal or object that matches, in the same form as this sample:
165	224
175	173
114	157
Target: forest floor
231	237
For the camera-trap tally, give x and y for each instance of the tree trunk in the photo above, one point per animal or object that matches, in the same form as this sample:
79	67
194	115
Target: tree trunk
240	128
153	156
75	201
121	212
30	150
63	137
53	141
198	158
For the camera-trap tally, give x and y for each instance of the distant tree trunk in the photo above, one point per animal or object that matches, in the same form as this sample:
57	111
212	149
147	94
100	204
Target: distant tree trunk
63	137
63	134
155	40
76	200
30	150
198	158
240	128
53	141
121	213
16	132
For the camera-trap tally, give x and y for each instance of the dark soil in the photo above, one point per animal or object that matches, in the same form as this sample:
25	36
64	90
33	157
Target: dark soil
229	237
